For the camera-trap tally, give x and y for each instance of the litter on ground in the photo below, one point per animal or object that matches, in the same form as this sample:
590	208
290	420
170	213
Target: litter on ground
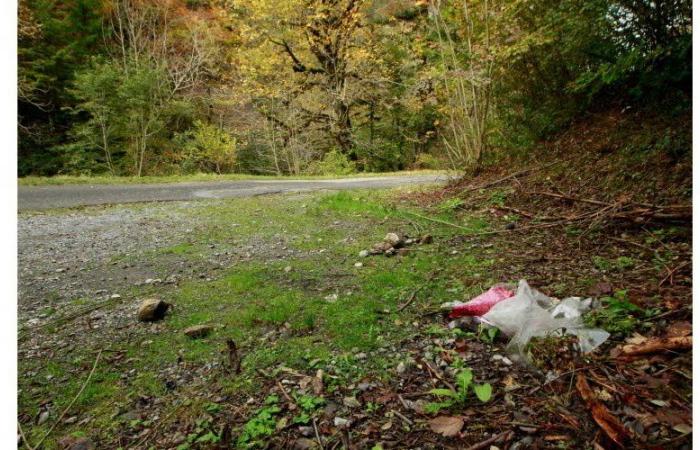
528	313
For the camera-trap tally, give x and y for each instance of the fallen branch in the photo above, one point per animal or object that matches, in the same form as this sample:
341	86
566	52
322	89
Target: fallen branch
648	210
431	219
70	405
603	417
486	233
655	345
511	176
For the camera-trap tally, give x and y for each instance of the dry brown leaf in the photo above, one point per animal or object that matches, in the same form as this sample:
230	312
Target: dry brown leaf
609	423
636	339
680	329
447	426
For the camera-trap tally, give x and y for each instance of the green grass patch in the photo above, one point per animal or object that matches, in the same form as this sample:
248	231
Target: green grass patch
319	314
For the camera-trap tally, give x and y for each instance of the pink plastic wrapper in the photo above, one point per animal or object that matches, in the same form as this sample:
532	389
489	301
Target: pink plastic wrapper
480	305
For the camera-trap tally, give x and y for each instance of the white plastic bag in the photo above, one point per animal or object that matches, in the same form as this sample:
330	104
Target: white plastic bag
530	313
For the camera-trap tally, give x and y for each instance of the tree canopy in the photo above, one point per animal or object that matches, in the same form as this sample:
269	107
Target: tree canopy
263	86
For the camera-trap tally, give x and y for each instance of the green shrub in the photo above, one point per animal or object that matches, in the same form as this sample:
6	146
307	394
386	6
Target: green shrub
428	161
207	148
333	163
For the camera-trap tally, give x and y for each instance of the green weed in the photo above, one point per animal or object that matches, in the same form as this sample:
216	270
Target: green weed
460	396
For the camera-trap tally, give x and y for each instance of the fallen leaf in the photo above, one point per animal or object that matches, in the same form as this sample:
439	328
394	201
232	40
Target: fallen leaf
683	428
680	329
636	339
603	395
672	417
510	384
609	423
601	288
446	425
658	402
483	392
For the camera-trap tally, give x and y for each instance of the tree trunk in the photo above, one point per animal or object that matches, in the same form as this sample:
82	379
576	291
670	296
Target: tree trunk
343	129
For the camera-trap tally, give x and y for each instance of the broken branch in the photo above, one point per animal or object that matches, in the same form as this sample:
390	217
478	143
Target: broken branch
654	345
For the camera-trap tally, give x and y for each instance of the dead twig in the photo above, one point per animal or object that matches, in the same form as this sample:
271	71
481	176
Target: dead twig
67	408
408	421
438	376
318	437
24	437
673	271
410	300
505	436
284	392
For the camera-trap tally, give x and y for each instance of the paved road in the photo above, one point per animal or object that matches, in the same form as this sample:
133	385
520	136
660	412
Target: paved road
44	197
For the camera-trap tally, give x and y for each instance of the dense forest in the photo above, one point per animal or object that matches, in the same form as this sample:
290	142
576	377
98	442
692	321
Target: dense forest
144	87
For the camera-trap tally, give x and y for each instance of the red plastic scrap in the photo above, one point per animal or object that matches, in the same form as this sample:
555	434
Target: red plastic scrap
480	305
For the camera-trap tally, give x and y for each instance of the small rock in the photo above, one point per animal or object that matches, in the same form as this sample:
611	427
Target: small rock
358	264
363	254
380	248
361	356
304	444
393	239
306	431
364	386
288	269
510	226
43	417
401	368
523	443
198	331
351	402
71	420
390	252
152	309
340	422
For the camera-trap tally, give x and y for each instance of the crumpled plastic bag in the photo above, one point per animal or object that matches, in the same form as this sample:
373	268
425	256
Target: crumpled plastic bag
531	314
480	305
